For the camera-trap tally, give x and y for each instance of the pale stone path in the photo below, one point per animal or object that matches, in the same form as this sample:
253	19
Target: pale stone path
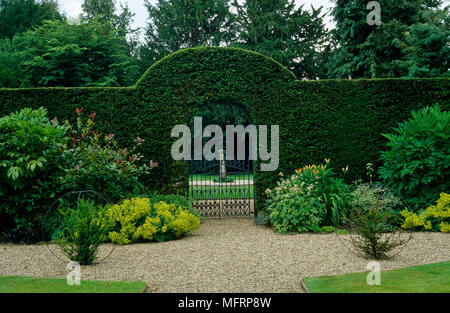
225	255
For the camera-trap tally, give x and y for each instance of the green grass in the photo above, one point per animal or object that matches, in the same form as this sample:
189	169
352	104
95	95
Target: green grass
430	278
204	177
20	284
222	192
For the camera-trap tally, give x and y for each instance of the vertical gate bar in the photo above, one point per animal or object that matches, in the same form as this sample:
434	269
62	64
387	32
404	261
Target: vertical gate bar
220	196
251	190
203	192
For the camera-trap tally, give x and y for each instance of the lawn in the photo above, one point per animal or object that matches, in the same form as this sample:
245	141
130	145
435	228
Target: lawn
20	284
205	187
430	278
215	177
205	192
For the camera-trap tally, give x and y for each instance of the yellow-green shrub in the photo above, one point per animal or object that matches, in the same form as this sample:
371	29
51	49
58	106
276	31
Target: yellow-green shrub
139	220
435	217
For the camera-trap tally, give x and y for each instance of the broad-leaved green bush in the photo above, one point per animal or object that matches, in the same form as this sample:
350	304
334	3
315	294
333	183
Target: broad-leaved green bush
417	163
40	159
31	149
98	163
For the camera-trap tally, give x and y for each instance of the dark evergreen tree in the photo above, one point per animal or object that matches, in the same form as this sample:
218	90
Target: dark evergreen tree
17	16
293	36
103	10
177	24
426	45
369	51
10	70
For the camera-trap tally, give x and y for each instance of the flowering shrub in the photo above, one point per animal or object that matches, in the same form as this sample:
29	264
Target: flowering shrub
139	220
310	199
434	218
30	154
97	163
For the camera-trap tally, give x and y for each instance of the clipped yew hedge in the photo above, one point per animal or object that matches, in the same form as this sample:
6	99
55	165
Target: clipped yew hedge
113	106
338	119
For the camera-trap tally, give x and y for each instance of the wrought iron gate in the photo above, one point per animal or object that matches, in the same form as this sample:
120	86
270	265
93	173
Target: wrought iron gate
221	188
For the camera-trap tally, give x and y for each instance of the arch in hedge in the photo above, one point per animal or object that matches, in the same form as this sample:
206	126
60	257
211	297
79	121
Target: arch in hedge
175	87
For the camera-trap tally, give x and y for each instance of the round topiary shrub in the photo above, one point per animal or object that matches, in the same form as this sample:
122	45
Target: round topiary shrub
417	163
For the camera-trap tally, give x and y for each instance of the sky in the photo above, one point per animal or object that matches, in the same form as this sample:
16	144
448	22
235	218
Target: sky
73	9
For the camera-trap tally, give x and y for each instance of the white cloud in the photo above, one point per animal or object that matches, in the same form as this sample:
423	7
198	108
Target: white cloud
71	7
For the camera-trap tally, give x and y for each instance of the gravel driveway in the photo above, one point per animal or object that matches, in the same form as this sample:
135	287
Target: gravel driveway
227	255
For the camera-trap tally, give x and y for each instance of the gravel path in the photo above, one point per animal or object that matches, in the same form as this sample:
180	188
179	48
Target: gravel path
227	255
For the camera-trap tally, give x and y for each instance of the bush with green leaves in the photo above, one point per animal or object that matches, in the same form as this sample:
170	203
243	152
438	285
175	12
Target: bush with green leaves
82	230
417	163
309	200
98	163
298	213
366	196
58	54
31	157
368	233
40	159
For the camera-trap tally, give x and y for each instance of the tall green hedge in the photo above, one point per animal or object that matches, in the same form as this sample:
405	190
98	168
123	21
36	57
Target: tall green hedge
338	119
114	106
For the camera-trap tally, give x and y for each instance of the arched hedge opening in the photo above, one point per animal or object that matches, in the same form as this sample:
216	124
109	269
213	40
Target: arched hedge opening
174	88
